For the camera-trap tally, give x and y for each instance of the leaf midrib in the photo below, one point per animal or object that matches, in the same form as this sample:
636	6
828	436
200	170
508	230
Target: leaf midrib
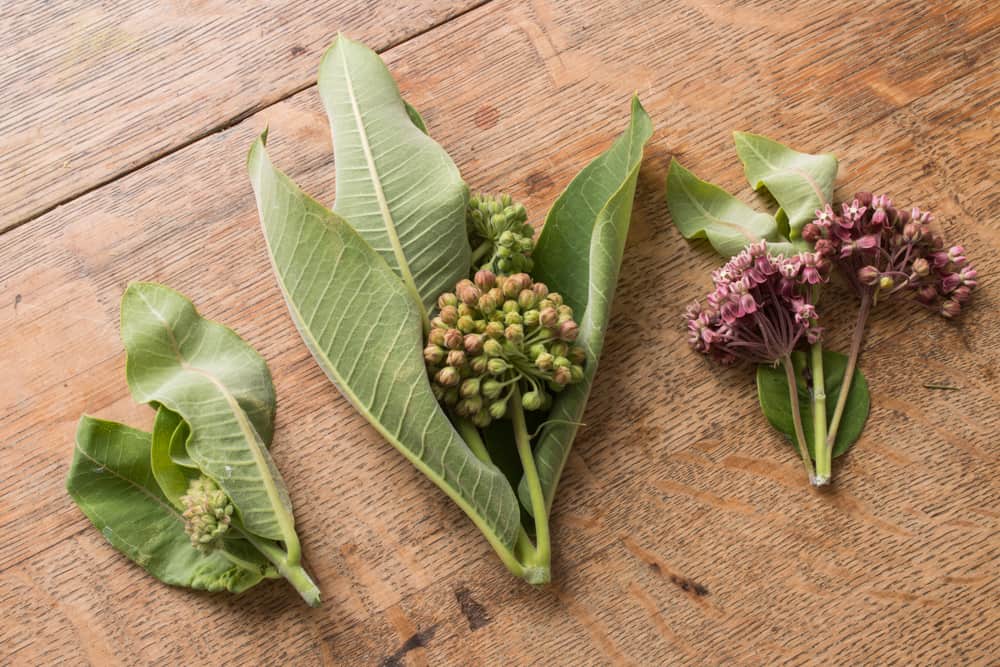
249	433
743	231
390	227
799	172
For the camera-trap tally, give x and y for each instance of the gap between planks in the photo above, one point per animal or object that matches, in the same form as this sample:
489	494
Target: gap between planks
221	127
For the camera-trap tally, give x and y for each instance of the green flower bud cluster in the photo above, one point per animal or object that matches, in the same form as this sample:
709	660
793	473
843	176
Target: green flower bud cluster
501	224
497	334
207	513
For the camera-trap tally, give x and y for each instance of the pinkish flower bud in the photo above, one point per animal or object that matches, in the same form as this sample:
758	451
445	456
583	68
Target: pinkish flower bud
453	339
569	330
927	294
467	292
949	282
494	330
436	337
950	308
556	299
473	343
433	354
968	276
485	279
562	376
811	233
448	376
869	275
527	299
514	333
449	315
957	254
912	232
456	358
921	267
548	317
961	294
577	355
478	364
540	290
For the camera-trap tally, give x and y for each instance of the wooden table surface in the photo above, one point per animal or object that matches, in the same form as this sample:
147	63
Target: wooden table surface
683	530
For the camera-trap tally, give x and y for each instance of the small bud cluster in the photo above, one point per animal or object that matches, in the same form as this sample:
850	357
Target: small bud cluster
762	305
883	250
498	333
207	513
503	224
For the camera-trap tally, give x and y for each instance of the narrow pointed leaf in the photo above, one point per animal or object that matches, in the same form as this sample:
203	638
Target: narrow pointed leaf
362	328
578	254
703	210
395	185
415	117
111	480
200	370
172	479
772	390
799	182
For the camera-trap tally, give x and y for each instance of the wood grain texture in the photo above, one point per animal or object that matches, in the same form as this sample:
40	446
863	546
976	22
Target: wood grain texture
92	90
683	531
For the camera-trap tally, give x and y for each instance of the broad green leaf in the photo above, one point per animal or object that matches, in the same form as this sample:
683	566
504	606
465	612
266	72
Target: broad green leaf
415	117
111	480
178	446
364	330
772	390
200	370
578	254
799	182
702	210
395	185
172	478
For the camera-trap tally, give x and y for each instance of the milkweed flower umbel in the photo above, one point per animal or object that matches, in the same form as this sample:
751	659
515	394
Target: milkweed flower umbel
761	307
883	250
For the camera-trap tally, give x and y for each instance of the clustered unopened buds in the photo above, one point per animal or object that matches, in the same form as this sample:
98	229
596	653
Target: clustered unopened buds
207	513
883	250
497	333
761	307
501	223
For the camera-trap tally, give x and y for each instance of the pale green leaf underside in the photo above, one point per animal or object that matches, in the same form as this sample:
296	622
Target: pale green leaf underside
201	370
703	210
799	182
111	480
364	330
579	254
395	185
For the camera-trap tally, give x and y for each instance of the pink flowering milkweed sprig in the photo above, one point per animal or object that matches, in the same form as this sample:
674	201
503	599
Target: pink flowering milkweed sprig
761	308
884	251
764	301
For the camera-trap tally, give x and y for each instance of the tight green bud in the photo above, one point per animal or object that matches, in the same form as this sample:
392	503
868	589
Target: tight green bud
207	513
447	299
470	387
497	366
492	348
491	388
530	318
576	374
498	410
514	333
494	330
448	376
532	400
559	349
544	361
536	349
512	318
433	354
482	418
478	364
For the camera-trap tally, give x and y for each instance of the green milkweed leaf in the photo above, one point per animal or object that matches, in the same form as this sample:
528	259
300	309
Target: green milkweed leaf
578	254
799	182
395	185
112	482
703	210
172	478
772	390
363	328
206	373
415	117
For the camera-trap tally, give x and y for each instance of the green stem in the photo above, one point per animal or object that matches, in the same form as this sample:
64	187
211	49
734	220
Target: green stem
793	395
295	574
852	361
538	565
823	453
478	253
473	439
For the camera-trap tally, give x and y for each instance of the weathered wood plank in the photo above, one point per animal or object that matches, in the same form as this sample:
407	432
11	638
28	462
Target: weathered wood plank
92	90
712	550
